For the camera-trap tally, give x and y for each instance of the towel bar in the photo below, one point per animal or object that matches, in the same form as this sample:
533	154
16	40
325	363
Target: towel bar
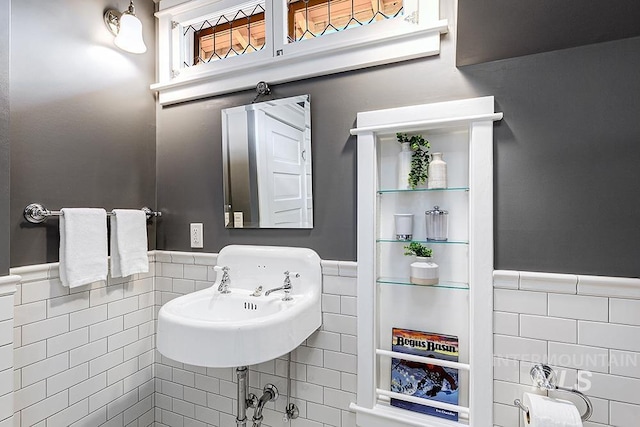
544	378
35	213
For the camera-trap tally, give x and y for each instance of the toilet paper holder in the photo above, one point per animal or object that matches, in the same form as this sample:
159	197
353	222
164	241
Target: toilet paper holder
544	378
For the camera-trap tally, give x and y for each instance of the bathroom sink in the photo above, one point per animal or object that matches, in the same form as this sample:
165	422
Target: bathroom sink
210	328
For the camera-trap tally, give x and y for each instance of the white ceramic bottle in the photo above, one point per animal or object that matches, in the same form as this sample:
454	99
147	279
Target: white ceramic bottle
404	166
437	172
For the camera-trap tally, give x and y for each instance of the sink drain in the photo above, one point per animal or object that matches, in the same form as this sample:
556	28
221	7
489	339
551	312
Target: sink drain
250	306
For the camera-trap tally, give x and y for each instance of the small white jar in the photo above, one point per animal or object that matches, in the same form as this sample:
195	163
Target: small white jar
404	226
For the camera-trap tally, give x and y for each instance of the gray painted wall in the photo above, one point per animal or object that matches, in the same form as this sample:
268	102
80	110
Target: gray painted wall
82	117
566	172
489	30
82	134
5	28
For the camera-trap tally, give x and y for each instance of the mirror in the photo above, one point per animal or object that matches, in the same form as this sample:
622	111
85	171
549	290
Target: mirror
266	150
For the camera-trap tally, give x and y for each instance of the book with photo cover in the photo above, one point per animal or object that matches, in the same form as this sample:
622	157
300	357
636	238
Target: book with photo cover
419	379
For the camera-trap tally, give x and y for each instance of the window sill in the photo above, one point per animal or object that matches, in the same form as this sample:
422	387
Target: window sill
240	73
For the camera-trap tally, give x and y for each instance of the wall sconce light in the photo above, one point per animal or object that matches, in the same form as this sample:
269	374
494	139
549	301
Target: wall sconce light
127	28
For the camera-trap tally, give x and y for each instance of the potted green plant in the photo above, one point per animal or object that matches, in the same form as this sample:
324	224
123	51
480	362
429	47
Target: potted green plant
423	271
419	158
418	249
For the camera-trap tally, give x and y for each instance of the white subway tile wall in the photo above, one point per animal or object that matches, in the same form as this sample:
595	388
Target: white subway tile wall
83	356
86	356
323	368
7	397
587	328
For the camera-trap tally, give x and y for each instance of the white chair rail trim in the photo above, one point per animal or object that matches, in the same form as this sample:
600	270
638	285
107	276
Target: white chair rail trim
8	284
578	284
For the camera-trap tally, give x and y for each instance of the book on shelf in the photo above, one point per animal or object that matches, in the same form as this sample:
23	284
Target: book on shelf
424	380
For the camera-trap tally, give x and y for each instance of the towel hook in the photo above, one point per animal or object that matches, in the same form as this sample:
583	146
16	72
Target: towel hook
544	378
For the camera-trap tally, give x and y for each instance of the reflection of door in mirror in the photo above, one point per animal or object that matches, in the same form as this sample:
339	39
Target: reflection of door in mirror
281	188
267	164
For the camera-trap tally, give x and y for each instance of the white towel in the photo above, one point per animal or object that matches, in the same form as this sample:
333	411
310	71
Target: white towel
128	242
83	246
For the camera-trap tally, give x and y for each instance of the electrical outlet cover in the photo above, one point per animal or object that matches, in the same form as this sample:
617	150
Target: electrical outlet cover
195	234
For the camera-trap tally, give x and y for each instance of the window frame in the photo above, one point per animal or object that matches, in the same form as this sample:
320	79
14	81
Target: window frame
416	34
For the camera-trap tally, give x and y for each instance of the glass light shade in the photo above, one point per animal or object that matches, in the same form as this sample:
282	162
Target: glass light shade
129	36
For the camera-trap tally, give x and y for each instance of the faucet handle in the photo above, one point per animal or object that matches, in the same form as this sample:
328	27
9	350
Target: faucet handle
288	273
223	282
287	287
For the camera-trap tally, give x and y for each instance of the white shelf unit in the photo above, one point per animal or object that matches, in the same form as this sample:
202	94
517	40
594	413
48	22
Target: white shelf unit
462	304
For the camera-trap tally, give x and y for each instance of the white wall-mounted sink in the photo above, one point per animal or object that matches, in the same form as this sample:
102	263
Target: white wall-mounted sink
208	328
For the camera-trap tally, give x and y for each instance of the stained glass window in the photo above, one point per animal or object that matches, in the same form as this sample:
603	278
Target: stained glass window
243	31
228	35
313	18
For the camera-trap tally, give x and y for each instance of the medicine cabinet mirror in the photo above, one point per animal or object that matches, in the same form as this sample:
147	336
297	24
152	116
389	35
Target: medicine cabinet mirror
266	149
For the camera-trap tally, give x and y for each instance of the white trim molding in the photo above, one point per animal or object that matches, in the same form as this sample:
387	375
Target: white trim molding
545	282
8	284
619	287
579	284
415	35
506	279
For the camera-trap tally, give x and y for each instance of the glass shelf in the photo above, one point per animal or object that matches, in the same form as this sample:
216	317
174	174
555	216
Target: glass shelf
419	190
406	282
425	242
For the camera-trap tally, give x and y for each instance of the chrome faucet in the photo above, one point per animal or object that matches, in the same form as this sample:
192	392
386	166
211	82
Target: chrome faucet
286	287
223	288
